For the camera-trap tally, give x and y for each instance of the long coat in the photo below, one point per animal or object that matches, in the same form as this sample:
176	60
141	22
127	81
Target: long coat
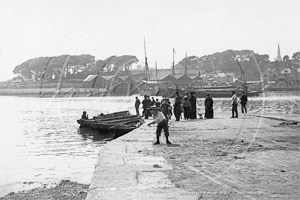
209	112
193	111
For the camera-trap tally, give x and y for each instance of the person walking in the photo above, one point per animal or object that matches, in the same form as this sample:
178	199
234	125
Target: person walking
137	105
244	100
161	122
193	101
177	106
209	111
186	105
234	102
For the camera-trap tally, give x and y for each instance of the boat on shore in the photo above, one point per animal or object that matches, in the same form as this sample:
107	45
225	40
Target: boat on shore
117	123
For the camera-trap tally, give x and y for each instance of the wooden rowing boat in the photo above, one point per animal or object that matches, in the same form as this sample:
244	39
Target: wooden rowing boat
118	123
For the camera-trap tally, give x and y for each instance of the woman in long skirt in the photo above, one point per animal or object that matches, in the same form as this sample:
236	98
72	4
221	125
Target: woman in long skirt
193	101
209	112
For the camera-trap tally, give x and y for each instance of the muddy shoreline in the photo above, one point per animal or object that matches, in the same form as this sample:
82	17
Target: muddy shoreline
64	190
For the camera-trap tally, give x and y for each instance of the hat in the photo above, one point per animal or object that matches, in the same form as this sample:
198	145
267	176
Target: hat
233	92
153	108
192	92
207	95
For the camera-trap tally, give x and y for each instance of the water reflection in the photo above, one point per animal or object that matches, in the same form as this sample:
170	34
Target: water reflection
41	141
88	133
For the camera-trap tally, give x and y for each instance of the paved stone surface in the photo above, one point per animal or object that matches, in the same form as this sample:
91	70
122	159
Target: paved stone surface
124	171
248	157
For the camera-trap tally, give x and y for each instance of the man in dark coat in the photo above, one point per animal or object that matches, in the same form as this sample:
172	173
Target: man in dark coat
244	100
177	106
137	105
146	104
193	101
209	112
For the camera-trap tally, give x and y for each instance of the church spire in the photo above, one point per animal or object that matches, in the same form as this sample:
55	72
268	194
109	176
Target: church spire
278	54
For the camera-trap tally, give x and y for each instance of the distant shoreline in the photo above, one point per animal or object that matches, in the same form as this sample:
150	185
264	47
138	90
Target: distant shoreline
53	92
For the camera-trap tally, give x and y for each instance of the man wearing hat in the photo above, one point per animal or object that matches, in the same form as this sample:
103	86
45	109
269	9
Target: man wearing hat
177	106
234	103
146	104
161	122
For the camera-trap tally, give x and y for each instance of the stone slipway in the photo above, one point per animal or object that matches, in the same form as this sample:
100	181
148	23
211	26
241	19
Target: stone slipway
123	171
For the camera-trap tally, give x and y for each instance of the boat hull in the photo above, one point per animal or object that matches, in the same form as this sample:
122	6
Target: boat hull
118	123
213	93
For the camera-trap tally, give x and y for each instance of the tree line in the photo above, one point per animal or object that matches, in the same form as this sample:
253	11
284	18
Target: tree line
252	64
72	66
79	66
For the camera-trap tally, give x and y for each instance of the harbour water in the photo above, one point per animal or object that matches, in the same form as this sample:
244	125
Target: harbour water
41	143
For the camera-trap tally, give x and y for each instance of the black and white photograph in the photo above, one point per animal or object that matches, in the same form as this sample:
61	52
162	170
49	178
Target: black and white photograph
149	99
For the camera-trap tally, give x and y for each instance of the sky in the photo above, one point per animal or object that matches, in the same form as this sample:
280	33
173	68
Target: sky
102	28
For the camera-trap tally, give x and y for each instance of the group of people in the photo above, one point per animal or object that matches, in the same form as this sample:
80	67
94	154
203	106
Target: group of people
164	105
188	106
234	103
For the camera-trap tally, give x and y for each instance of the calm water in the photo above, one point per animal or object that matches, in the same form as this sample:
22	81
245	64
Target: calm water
41	144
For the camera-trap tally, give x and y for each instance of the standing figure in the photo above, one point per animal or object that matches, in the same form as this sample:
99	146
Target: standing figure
244	100
193	101
186	95
209	111
137	105
150	103
161	122
177	106
146	105
186	105
166	108
234	102
170	109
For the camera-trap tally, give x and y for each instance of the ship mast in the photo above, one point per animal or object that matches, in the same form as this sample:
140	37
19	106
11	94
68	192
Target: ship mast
243	75
185	67
156	70
146	63
173	69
